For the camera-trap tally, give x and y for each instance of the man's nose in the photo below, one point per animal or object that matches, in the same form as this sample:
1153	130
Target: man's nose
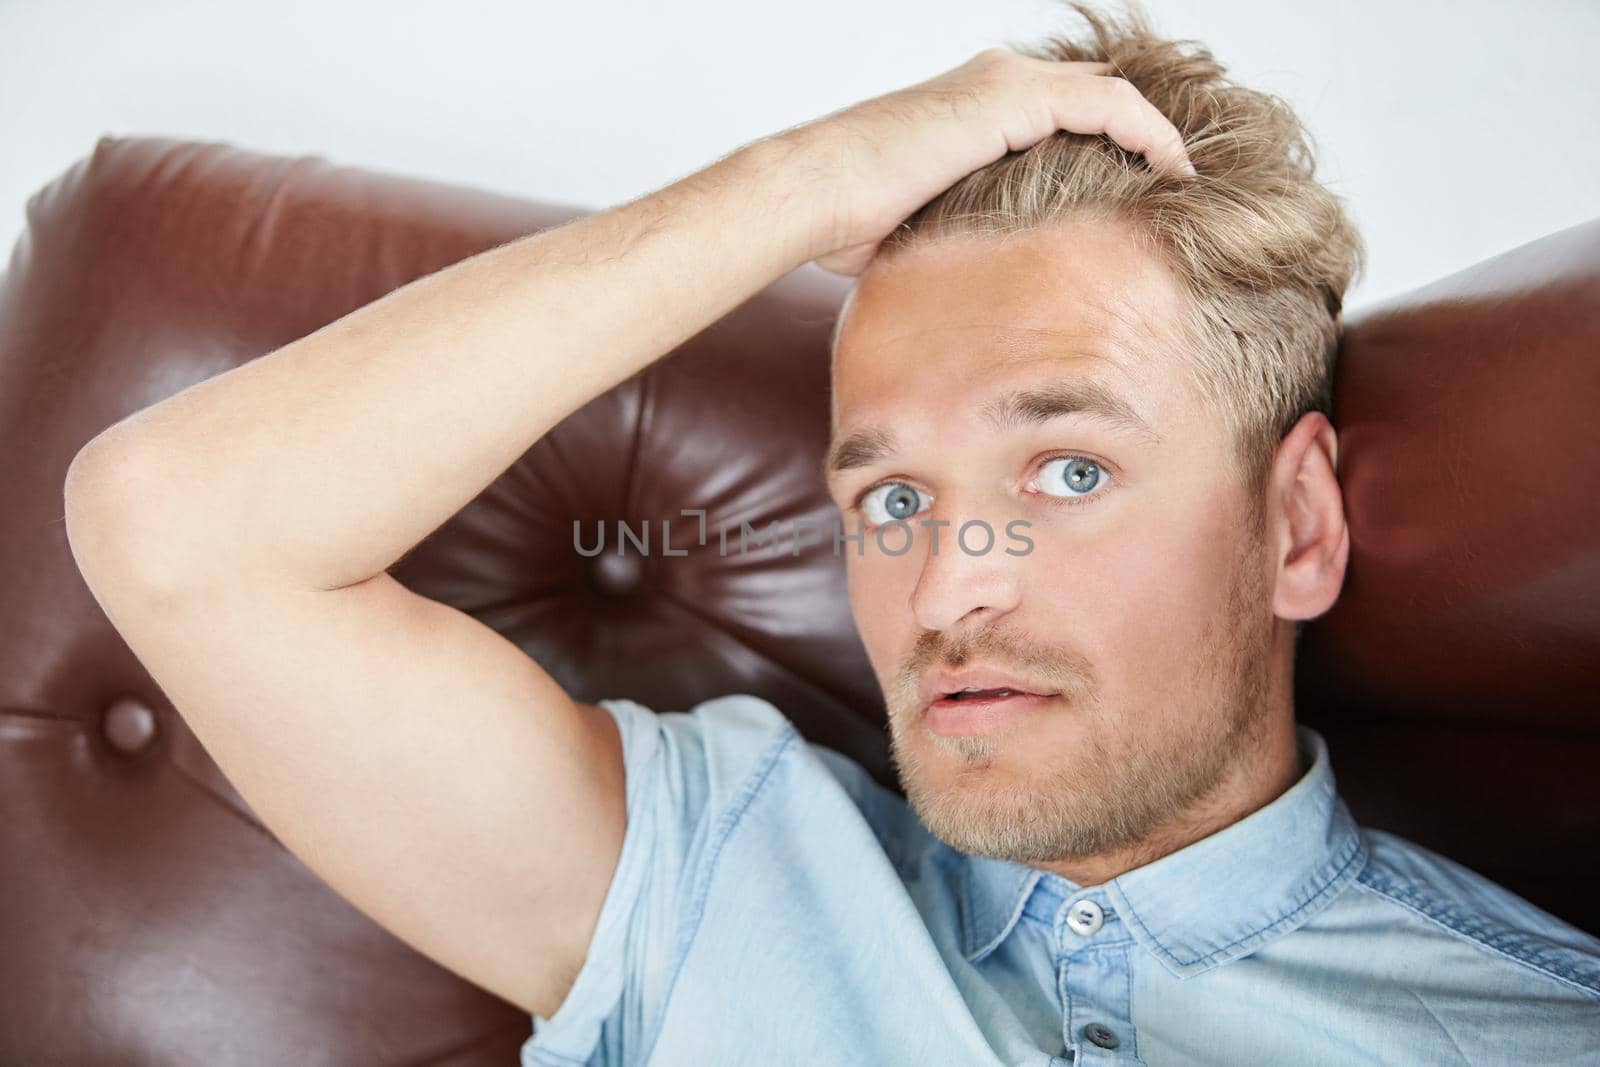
967	574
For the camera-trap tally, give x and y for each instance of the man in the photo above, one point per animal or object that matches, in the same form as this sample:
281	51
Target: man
1117	845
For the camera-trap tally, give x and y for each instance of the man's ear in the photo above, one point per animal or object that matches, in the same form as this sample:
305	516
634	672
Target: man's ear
1306	517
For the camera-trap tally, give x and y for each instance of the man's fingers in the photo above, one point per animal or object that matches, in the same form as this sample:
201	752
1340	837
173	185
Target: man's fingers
1111	105
1078	66
1115	107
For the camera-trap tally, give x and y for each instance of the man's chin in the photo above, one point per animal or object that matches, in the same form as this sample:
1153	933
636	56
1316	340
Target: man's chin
964	784
981	818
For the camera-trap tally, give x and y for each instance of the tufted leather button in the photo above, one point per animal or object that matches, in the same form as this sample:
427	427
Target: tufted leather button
129	725
617	575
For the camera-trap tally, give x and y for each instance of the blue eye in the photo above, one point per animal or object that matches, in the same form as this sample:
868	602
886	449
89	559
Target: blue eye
1070	476
892	501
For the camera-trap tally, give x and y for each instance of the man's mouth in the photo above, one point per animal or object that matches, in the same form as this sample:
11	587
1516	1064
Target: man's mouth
977	700
975	683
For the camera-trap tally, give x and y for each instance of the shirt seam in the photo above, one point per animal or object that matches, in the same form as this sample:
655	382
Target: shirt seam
720	835
1446	917
1127	974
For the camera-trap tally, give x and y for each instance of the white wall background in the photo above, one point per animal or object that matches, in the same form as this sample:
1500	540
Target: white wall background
1454	129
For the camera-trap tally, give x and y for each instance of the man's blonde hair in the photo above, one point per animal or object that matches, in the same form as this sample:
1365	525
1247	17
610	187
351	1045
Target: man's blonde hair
1263	251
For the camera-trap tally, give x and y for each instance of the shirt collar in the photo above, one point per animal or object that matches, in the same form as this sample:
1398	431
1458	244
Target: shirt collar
1212	901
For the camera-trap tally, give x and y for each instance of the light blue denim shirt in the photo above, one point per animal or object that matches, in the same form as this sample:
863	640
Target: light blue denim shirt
772	904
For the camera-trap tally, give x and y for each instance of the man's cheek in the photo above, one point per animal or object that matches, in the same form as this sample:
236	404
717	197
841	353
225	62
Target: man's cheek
869	605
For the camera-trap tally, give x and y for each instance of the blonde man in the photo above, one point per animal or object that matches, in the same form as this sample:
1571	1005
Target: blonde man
1098	296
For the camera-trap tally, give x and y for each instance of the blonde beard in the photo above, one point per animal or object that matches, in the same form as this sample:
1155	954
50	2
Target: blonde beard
1094	799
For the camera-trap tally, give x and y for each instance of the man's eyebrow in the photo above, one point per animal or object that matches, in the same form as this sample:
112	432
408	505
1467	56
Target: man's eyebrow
1023	407
858	449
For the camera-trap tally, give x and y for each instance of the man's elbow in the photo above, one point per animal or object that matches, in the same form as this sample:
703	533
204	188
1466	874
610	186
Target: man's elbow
118	531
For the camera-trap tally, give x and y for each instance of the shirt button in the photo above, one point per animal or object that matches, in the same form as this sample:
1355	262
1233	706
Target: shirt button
1103	1036
1085	917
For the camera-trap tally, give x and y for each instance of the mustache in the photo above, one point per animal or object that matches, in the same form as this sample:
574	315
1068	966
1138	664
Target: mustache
1048	664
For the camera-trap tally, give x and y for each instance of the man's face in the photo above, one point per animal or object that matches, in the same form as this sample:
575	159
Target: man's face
1144	602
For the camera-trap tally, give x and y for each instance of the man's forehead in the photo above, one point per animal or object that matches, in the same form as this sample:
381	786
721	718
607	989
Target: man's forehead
1088	274
1113	327
980	359
897	355
983	343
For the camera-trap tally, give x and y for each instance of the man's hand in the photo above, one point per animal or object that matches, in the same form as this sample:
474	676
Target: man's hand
880	160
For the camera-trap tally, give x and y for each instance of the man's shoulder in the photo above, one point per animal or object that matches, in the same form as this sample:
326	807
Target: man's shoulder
703	763
734	730
746	743
747	751
1438	897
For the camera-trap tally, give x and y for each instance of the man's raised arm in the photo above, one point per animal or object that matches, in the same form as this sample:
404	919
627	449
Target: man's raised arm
322	463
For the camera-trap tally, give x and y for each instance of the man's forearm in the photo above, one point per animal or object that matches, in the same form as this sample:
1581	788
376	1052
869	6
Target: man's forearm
323	462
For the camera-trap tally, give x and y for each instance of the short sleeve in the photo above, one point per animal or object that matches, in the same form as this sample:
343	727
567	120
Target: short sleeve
686	776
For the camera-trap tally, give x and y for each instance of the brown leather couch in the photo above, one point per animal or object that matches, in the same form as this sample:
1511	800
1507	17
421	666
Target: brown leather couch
146	914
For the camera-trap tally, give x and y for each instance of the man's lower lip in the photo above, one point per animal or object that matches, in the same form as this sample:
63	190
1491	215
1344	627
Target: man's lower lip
962	718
